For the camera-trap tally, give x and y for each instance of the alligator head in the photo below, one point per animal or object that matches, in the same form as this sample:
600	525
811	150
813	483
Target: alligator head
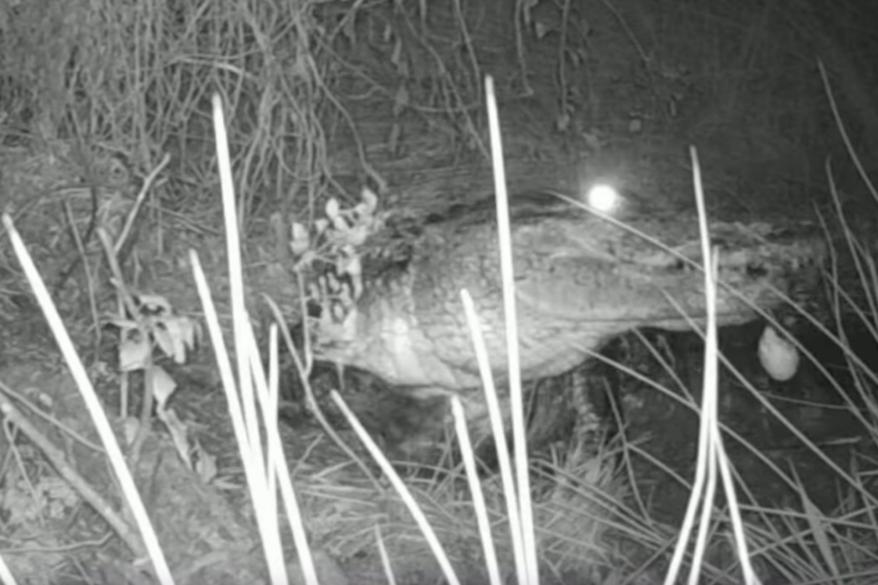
581	279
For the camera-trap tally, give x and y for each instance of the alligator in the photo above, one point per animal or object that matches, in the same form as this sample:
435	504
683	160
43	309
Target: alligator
581	279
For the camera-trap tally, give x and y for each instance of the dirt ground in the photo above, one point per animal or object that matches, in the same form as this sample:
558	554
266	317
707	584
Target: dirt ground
625	114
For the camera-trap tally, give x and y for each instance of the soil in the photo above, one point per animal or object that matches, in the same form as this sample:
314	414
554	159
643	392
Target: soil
629	116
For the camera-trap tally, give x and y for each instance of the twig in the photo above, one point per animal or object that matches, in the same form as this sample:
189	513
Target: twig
522	15
471	53
23	400
358	143
127	301
92	221
456	104
59	461
89	282
304	370
562	62
132	215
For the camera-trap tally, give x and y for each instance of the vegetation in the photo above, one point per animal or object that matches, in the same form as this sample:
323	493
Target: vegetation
109	158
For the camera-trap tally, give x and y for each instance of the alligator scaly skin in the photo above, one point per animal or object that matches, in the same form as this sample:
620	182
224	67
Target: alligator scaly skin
580	280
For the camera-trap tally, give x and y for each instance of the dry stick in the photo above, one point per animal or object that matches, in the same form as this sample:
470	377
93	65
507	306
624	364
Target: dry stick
62	279
5	574
59	461
95	408
246	429
496	420
629	33
306	333
129	222
864	266
89	283
711	453
452	95
249	446
864	176
373	174
468	43
279	473
478	498
562	65
348	18
128	302
709	438
144	189
705	467
504	234
522	14
648	61
385	560
35	411
303	370
842	130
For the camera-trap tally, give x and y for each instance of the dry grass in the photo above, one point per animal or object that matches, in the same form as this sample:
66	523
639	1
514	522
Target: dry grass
135	78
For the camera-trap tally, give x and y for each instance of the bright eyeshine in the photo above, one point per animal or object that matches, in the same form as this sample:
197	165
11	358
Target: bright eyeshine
603	197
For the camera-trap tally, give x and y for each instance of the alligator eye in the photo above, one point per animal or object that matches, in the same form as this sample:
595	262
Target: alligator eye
756	270
604	197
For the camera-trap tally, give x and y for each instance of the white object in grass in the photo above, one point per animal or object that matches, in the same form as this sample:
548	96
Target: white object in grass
778	356
604	198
